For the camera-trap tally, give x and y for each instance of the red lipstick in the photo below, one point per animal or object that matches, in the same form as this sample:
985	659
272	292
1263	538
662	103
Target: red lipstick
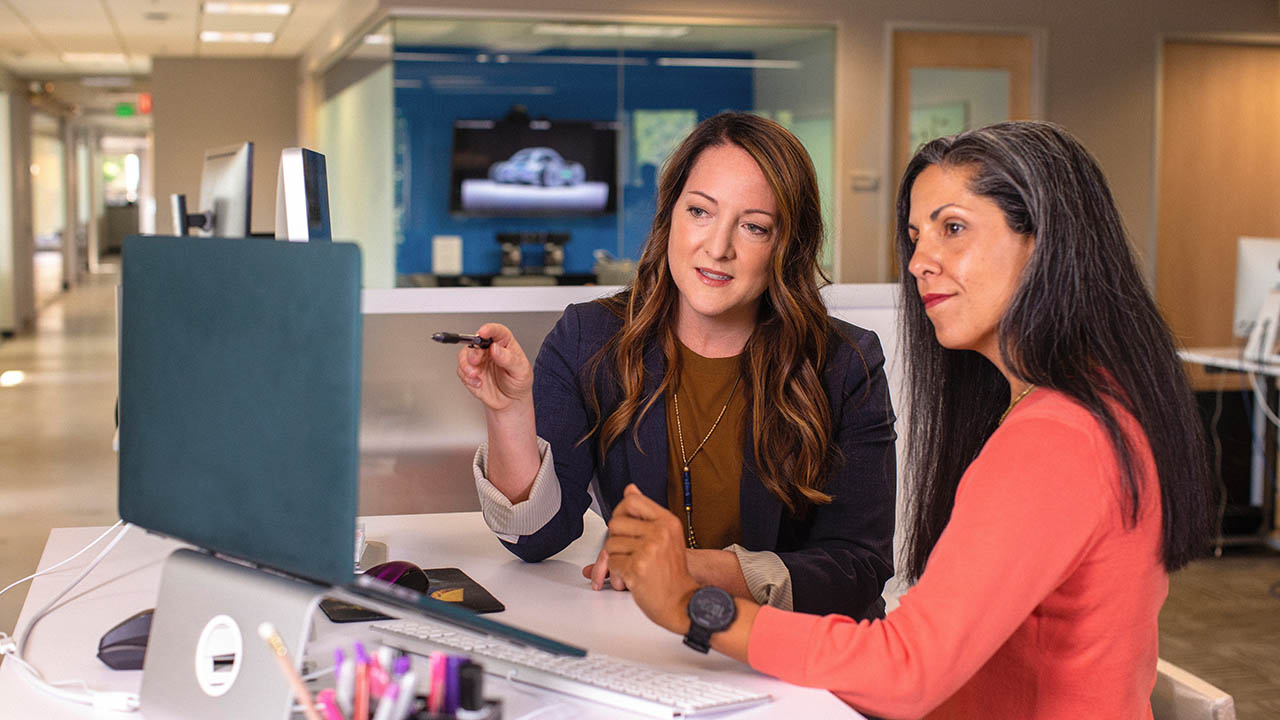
931	299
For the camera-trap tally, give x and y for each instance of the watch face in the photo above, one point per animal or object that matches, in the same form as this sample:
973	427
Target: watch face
712	608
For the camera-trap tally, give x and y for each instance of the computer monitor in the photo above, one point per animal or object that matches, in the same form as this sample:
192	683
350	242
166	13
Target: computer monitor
1257	273
302	197
226	192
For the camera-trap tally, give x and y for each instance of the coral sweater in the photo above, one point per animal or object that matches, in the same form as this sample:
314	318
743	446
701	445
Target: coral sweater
1037	602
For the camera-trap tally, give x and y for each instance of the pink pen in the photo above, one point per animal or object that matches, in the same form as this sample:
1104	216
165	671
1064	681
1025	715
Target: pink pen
437	670
328	702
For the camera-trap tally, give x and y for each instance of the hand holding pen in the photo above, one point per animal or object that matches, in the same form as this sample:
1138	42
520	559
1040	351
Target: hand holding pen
500	375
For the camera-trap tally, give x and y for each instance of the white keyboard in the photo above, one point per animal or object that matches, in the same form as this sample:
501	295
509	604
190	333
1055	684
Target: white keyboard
596	677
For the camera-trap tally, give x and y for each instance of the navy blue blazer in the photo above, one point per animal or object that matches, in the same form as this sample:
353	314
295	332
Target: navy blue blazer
839	555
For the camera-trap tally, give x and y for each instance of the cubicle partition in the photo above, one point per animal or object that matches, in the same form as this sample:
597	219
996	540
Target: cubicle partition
419	428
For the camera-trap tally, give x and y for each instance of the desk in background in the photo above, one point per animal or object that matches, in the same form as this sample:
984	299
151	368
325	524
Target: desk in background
550	597
1262	483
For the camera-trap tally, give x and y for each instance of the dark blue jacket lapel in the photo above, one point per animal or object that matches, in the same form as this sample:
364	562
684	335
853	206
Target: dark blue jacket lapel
760	510
648	469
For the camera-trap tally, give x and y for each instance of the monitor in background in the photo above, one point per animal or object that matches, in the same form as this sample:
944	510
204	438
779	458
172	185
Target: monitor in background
302	197
518	167
1257	273
226	192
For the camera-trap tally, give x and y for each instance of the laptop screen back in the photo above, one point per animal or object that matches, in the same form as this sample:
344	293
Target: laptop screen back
240	398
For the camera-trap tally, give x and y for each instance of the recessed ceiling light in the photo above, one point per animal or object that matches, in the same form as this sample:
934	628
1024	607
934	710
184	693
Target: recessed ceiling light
246	8
215	36
730	63
98	58
377	39
611	30
9	378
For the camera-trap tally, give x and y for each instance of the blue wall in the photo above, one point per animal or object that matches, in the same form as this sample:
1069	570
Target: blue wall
429	96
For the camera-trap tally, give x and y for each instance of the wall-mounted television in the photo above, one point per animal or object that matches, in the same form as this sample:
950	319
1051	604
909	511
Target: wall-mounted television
522	168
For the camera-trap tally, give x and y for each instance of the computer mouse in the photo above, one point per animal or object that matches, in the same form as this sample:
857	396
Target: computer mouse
401	572
124	646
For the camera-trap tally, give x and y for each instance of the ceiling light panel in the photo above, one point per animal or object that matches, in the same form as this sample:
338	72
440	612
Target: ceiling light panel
219	36
246	8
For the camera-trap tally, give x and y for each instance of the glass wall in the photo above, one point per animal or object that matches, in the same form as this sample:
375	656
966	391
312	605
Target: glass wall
539	130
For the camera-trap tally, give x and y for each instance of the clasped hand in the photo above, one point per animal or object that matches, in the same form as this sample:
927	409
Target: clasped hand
646	554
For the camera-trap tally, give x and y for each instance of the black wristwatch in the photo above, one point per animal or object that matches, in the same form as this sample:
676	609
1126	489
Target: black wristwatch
711	610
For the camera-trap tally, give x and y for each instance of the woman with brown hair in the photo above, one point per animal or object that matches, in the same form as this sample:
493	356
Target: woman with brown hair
717	384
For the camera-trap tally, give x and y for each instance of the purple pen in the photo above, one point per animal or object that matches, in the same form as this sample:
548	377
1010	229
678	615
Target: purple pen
453	688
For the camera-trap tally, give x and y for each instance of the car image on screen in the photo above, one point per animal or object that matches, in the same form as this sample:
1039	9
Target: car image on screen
538	166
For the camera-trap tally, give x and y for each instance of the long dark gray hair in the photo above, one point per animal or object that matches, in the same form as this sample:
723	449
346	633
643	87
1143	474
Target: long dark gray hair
1081	322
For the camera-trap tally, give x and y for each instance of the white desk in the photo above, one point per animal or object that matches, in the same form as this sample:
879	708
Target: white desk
550	597
1262	488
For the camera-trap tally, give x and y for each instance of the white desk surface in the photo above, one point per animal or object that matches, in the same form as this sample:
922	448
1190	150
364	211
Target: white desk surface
550	597
1227	358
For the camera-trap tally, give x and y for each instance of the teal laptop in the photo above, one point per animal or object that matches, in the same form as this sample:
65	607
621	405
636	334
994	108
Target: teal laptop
240	398
240	409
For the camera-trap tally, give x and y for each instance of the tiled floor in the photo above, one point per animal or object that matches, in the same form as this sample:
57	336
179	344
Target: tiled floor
57	468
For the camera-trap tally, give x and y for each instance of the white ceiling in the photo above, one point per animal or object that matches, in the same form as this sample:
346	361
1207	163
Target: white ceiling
35	34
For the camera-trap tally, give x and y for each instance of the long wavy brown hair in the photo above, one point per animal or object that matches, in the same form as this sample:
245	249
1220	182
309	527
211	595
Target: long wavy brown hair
783	361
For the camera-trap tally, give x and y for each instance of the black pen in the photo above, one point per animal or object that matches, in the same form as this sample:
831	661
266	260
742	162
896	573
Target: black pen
473	340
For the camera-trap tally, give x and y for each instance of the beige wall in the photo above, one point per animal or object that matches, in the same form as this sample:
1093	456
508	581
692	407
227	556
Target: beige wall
18	307
208	103
1101	63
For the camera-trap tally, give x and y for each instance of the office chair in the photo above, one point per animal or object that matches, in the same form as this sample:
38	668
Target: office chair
1179	695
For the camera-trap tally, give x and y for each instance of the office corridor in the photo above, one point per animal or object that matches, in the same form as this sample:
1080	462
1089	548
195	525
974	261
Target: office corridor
57	469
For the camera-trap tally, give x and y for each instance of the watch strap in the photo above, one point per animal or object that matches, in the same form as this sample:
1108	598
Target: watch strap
698	637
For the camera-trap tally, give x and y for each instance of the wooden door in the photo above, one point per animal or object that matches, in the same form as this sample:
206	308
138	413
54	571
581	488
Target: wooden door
1013	53
1219	178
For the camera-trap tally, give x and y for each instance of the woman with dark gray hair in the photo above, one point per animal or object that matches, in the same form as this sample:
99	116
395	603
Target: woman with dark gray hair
1055	460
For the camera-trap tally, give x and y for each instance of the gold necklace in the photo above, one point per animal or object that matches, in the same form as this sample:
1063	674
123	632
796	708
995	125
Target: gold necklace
685	476
1013	404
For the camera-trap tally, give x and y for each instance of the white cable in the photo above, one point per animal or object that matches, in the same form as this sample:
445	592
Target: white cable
16	648
1261	398
59	564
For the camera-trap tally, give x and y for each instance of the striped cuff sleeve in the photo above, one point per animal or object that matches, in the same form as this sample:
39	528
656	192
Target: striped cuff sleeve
510	521
767	577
